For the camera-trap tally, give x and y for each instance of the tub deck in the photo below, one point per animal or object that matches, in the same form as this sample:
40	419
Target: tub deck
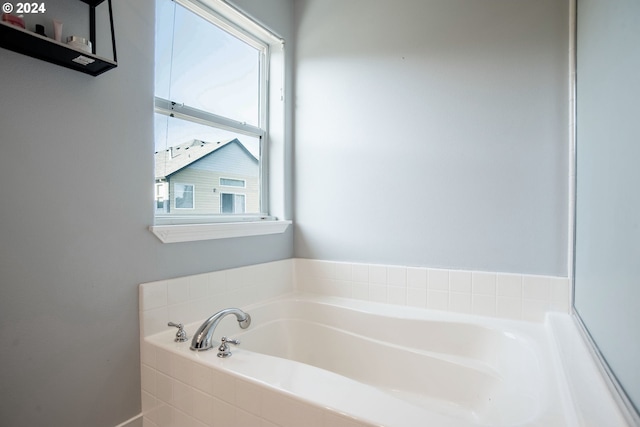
377	364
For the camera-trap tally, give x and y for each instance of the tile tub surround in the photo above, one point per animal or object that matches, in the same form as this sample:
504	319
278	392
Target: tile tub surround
512	296
194	298
504	295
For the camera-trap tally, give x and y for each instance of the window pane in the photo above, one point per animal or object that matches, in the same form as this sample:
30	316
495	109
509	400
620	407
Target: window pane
232	182
199	156
204	67
184	196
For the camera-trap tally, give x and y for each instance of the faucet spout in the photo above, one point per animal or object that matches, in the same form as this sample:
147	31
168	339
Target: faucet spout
202	338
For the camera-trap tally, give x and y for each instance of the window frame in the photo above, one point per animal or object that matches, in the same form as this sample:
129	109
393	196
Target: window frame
177	110
244	182
188	229
193	196
234	194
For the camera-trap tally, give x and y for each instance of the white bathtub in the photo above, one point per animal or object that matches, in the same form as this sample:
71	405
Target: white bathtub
393	366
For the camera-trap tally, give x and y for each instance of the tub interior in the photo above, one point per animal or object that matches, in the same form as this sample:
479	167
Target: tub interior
463	370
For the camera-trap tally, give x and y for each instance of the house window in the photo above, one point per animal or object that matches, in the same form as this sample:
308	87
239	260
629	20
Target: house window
229	182
210	115
232	203
183	196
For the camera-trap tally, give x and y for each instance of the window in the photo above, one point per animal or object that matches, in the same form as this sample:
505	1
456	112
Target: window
183	196
229	182
232	203
211	116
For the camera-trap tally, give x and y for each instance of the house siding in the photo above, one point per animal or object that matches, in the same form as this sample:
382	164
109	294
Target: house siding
231	161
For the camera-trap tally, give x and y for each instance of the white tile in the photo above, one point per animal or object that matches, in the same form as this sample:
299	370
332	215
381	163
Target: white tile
484	305
397	295
275	408
397	276
460	281
202	379
333	419
178	290
460	302
509	307
217	282
182	368
161	415
246	419
153	295
509	285
560	290
378	293
224	387
163	362
164	388
561	307
148	378
223	413
181	313
536	287
534	310
199	286
417	297
148	354
154	321
322	269
437	300
344	271
202	407
235	278
303	414
360	291
249	396
183	396
483	283
417	277
360	273
378	274
148	402
437	279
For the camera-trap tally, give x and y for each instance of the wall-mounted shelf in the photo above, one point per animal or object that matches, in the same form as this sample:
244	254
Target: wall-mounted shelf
40	47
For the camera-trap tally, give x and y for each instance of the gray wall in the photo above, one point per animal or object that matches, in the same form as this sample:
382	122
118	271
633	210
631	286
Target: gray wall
433	133
76	169
607	253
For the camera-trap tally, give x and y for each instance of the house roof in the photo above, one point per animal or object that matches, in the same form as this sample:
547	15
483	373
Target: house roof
178	157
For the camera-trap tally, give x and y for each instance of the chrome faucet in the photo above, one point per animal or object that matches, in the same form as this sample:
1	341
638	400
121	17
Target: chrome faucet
202	338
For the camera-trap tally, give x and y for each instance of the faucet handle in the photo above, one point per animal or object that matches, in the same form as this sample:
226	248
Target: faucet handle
230	340
223	350
181	334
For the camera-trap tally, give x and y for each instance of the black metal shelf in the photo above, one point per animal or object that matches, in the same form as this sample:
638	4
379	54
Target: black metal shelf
93	3
29	43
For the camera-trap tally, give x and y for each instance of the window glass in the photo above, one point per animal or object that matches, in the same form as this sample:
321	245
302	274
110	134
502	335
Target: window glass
232	182
200	65
209	121
232	203
184	195
209	158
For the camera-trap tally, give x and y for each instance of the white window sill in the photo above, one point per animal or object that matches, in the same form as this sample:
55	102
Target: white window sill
193	232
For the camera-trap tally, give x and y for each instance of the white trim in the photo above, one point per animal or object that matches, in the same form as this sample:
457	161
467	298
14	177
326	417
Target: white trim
137	420
194	232
571	226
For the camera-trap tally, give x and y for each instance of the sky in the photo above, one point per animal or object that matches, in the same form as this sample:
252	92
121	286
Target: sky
212	71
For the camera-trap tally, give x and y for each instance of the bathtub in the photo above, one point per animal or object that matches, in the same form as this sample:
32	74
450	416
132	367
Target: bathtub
383	365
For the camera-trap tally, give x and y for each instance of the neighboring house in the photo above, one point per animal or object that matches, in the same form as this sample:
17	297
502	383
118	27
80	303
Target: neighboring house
199	177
